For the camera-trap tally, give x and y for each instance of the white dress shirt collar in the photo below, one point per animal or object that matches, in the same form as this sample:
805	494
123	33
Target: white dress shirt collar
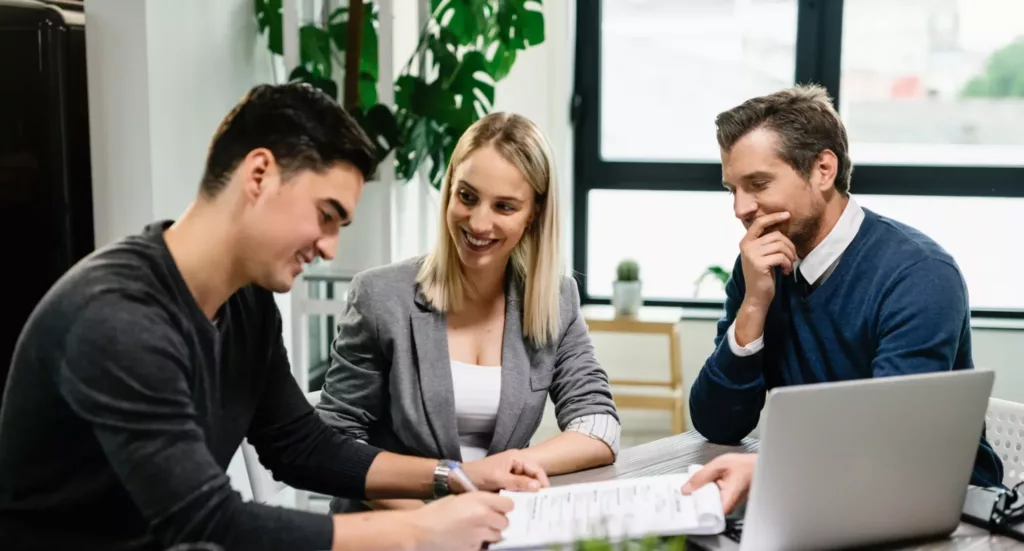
827	253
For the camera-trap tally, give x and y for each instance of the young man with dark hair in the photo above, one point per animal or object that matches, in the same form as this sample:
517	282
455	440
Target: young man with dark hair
823	290
138	375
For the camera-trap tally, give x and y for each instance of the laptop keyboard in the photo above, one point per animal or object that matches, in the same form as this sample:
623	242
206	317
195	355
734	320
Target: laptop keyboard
733	529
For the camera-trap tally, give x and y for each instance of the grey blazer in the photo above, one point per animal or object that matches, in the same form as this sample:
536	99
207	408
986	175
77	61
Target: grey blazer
390	380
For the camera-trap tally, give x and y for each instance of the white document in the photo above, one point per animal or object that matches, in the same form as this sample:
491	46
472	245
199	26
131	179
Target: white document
615	509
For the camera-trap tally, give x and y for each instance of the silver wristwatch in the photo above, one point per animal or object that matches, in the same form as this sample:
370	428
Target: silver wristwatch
442	473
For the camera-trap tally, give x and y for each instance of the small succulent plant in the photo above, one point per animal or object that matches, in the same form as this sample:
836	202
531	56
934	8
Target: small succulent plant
628	270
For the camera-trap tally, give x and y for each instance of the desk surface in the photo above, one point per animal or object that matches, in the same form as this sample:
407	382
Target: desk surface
674	453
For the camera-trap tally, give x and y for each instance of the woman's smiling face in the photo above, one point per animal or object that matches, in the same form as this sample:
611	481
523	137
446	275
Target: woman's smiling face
491	207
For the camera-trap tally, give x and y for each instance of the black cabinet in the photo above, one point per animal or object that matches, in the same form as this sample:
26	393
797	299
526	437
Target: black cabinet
46	220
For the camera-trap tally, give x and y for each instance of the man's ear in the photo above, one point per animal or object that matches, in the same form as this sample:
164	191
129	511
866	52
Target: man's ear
256	168
826	165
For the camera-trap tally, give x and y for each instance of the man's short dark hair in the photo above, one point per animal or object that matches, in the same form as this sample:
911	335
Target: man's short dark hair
304	128
804	119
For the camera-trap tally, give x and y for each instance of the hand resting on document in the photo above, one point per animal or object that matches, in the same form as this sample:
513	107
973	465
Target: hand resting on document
732	472
508	470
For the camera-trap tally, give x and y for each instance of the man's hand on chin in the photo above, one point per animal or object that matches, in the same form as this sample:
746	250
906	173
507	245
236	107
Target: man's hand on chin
733	472
509	470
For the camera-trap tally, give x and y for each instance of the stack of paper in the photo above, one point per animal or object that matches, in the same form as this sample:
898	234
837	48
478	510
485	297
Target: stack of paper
615	509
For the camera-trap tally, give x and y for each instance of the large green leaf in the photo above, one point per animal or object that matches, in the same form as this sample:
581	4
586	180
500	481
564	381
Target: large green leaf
501	61
520	23
466	19
367	90
380	125
315	50
476	95
420	135
301	74
407	90
441	155
432	101
268	16
442	49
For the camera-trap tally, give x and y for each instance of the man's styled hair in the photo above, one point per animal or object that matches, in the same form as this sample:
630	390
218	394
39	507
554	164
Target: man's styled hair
805	121
303	127
537	259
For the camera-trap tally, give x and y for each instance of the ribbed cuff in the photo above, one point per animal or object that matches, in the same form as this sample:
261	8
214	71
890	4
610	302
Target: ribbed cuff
355	466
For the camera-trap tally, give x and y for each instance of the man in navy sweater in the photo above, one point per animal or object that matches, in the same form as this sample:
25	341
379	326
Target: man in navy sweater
823	289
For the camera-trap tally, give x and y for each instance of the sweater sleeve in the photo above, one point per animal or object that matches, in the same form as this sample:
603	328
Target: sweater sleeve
126	374
727	396
924	327
294	443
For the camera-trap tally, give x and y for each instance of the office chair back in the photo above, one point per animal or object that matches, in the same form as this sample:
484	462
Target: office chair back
1004	421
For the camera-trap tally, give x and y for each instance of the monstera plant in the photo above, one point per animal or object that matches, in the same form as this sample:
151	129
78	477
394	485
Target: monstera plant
465	47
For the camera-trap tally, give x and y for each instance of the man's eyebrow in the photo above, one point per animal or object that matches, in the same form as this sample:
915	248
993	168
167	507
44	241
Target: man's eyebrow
757	175
507	198
340	211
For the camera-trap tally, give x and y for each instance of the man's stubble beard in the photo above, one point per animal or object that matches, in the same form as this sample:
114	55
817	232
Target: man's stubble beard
802	233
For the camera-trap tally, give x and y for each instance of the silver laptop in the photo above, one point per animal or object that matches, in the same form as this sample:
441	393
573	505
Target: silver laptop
863	462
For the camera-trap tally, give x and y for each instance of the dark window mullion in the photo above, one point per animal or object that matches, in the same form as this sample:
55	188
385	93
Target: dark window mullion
586	119
819	44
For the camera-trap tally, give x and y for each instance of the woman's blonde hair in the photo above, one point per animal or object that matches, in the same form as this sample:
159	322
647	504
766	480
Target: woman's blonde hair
537	258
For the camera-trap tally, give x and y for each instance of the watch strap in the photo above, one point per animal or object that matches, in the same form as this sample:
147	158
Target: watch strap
442	477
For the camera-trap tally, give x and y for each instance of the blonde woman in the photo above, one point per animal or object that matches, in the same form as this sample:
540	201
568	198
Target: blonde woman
453	355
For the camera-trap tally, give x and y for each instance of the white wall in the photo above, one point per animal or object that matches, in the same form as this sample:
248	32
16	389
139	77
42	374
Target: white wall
540	87
161	77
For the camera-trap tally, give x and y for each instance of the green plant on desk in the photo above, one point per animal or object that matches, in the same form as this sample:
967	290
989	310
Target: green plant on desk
649	543
716	272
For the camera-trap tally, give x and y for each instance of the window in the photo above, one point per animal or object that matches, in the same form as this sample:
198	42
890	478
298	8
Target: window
934	82
684	61
677	235
931	91
674	235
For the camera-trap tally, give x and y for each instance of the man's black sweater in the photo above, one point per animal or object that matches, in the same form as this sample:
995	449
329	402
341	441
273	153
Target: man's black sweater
125	404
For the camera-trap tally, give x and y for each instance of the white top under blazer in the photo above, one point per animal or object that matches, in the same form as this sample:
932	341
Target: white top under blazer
477	393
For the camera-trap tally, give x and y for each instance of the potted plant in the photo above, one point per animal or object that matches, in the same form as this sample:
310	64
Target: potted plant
650	543
626	290
448	83
717	273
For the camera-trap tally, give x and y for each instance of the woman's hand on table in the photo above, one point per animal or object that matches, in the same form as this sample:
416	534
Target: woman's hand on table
508	470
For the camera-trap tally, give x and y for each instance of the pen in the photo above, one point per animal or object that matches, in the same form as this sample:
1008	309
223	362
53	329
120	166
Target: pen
457	472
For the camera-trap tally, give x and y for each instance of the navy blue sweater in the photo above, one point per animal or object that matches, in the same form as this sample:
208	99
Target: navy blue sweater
896	304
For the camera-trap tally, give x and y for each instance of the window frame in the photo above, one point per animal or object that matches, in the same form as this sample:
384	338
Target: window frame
818	59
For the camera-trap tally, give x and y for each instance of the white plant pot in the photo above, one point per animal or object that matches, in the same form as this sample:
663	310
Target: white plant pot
627	297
